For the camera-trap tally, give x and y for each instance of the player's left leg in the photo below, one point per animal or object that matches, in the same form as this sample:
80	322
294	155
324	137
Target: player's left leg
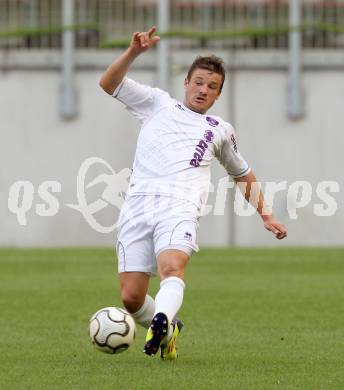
164	328
171	269
174	240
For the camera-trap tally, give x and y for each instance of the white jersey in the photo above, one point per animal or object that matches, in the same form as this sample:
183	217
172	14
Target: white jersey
176	145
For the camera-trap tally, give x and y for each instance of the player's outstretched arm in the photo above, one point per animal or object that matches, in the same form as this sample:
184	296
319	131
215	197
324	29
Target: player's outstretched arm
140	42
251	190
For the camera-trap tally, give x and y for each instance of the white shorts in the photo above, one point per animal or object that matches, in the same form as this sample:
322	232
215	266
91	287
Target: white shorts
150	224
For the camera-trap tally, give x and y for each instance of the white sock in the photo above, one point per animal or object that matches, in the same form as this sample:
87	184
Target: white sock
145	314
169	299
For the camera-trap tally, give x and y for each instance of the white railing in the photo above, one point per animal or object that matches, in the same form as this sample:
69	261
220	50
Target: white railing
209	23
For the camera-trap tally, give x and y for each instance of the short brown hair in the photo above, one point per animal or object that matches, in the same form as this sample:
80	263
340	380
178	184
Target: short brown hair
212	63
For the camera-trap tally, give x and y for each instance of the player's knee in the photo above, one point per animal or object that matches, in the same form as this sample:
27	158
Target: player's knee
172	263
132	301
168	270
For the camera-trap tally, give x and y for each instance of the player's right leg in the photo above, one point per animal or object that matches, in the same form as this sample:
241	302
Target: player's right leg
136	262
134	287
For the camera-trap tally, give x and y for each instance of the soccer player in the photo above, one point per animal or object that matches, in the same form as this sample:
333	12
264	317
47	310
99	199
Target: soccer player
169	184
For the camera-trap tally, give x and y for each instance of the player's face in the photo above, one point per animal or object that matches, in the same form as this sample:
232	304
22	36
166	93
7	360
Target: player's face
202	90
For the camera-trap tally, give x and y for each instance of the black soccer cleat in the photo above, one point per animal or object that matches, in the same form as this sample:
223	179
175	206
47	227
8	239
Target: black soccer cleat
156	333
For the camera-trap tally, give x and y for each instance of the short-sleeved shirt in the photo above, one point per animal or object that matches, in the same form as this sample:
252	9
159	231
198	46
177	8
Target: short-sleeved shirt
176	145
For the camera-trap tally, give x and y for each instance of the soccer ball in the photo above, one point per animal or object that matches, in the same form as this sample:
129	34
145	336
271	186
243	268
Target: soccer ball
112	330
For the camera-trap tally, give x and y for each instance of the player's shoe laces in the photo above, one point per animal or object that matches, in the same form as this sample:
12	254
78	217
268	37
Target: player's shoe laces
169	351
157	331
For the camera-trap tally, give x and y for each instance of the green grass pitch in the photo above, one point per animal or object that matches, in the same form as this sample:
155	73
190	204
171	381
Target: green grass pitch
254	319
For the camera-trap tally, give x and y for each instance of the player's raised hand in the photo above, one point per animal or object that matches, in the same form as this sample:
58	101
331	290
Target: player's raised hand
276	228
142	41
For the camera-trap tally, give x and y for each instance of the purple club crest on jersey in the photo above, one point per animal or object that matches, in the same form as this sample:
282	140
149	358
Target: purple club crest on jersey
209	136
212	122
178	105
